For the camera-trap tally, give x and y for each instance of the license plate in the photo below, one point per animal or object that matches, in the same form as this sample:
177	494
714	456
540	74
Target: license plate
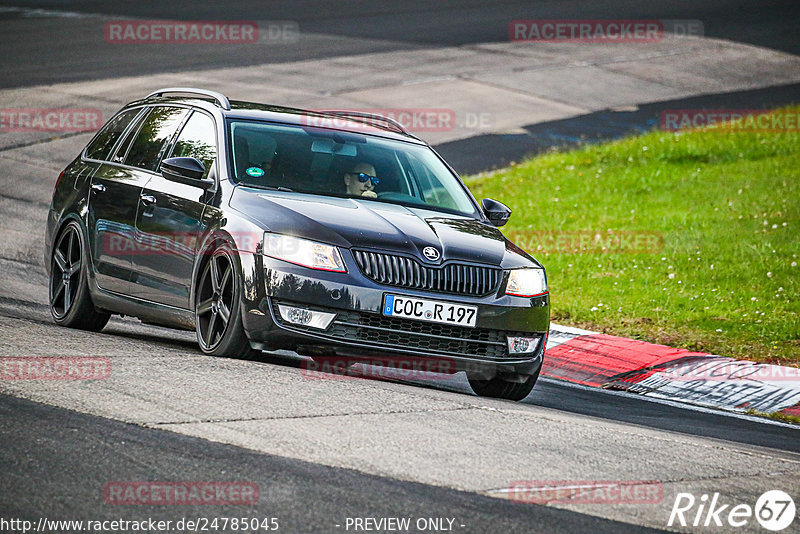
435	311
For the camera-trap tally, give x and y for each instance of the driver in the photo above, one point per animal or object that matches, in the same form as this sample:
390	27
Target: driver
361	180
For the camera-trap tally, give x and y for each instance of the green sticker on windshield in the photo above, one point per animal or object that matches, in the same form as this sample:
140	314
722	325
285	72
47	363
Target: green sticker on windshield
255	171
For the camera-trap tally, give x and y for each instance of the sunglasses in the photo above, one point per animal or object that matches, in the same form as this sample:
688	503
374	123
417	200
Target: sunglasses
363	177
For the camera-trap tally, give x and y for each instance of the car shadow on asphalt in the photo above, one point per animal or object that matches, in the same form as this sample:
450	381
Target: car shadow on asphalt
553	395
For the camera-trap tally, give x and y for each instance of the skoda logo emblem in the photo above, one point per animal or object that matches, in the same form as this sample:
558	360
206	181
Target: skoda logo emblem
430	253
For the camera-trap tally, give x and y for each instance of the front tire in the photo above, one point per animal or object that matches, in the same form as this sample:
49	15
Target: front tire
218	318
70	302
514	387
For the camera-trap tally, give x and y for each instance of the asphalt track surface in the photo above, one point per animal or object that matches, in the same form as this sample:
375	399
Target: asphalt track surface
68	48
55	461
56	42
489	151
65	475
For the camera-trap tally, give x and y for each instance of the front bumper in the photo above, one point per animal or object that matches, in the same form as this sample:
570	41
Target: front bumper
360	329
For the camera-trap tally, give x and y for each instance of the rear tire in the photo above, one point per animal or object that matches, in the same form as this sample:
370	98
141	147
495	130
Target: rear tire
501	387
70	302
218	318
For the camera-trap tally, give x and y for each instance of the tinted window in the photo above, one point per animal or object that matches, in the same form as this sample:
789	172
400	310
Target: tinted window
197	140
431	187
125	144
156	130
335	163
104	142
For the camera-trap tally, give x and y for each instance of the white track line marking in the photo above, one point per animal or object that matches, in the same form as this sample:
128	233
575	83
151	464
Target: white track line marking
675	404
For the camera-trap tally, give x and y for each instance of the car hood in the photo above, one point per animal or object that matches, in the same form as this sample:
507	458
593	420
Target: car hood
373	225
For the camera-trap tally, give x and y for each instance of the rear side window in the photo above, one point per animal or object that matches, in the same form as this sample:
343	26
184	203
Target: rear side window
125	144
156	130
101	146
198	140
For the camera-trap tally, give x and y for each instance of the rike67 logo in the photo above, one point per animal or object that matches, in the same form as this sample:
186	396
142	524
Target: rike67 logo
774	510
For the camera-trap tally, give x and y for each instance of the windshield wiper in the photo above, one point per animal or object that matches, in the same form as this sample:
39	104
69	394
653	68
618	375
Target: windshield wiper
268	187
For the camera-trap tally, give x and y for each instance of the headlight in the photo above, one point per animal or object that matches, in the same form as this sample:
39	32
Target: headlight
303	252
526	283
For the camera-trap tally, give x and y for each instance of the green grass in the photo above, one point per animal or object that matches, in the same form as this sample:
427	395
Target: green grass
785	418
725	279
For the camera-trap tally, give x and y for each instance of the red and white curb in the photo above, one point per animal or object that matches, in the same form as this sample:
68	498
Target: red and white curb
601	360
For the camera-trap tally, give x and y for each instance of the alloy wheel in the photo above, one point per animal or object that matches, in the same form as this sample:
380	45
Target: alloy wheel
65	272
215	300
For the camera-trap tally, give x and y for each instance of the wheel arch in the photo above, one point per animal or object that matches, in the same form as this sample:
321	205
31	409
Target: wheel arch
58	228
210	242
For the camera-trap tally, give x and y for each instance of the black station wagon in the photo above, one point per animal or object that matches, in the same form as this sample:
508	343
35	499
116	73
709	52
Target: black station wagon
265	228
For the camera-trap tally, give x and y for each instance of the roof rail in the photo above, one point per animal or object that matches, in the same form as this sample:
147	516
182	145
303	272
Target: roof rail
221	99
363	115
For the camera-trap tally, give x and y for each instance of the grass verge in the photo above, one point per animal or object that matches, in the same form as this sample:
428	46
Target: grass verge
688	239
784	418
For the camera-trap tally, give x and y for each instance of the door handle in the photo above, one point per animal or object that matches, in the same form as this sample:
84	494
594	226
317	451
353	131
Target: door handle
98	187
148	199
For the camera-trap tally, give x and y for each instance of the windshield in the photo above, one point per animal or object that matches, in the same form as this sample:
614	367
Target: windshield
343	164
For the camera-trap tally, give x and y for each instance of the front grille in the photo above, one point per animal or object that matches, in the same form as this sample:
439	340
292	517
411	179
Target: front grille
396	333
455	278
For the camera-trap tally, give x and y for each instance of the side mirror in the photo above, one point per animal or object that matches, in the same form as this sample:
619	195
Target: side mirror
497	212
188	171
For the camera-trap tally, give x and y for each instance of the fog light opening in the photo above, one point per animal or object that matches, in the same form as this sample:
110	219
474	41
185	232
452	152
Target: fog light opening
522	345
306	317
